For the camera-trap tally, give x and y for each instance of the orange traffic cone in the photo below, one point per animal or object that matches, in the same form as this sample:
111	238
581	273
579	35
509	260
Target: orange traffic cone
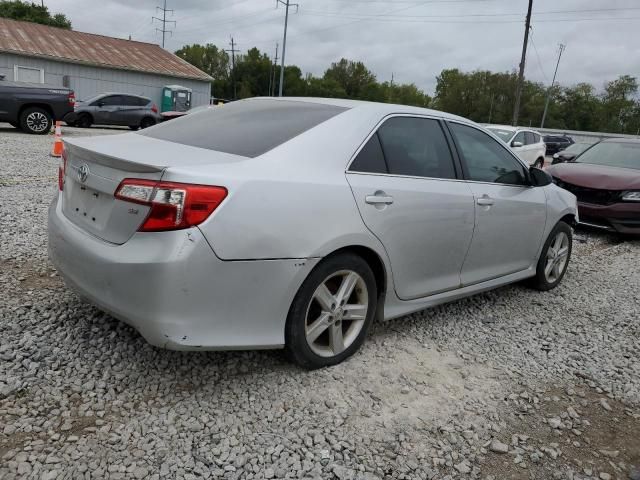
56	151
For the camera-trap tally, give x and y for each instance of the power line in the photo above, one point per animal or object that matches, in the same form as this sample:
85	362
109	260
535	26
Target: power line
464	15
164	21
287	4
546	79
516	107
546	103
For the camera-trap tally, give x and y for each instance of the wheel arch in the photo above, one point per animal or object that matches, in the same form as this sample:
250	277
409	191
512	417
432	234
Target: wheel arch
569	219
377	265
43	106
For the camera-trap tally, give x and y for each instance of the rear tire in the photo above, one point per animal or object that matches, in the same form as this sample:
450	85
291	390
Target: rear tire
84	120
554	258
36	120
332	312
147	122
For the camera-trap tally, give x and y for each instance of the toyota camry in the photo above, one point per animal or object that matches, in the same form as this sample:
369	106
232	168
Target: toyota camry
295	223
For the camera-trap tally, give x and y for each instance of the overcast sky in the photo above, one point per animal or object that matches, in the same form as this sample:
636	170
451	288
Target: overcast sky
411	39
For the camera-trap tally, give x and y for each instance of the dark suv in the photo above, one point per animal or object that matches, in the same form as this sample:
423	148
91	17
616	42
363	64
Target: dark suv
114	109
557	143
34	107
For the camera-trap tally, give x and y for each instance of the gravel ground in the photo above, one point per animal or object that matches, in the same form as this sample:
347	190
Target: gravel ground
509	384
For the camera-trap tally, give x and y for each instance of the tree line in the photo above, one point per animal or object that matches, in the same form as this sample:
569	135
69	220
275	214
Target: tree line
32	12
482	95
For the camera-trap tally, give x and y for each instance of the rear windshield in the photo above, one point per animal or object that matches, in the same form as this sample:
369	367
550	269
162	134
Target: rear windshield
247	128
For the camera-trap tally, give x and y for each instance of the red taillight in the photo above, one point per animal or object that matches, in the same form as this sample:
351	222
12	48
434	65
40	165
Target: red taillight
154	108
62	168
72	99
173	205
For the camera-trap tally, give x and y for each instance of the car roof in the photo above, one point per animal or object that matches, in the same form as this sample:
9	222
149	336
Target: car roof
379	108
510	127
121	93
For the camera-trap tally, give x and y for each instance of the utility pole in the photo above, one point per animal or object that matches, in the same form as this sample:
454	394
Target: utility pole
287	4
164	21
546	103
272	74
491	108
516	107
233	65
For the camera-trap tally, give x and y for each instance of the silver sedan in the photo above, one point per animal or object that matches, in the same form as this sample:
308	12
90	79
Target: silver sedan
295	223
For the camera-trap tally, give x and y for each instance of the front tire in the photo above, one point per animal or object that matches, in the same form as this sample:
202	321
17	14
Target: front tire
554	259
36	120
332	312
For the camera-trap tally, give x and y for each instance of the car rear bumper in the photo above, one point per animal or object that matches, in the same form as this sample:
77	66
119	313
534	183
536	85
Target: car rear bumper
618	217
172	288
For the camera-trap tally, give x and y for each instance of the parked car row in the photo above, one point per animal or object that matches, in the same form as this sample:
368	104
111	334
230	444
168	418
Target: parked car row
34	107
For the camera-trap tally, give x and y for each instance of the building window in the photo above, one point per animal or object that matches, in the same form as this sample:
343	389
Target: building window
28	74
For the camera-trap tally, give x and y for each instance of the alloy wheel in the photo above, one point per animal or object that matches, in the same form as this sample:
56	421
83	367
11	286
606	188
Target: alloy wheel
37	122
557	254
336	313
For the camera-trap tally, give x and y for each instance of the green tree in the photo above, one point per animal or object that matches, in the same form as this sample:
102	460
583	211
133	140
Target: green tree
618	104
32	12
354	78
213	61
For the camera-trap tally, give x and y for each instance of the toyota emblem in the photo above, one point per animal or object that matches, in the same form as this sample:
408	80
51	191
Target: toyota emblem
83	172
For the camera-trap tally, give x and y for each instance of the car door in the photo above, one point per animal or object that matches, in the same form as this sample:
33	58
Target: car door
405	184
510	214
105	110
128	112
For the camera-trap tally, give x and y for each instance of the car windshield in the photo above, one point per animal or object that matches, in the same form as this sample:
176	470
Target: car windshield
504	133
577	148
613	154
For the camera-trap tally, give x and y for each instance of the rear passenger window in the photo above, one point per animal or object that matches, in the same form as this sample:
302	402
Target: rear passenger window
370	159
529	138
416	147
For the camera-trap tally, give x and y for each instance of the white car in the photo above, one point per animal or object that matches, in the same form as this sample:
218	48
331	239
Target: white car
526	143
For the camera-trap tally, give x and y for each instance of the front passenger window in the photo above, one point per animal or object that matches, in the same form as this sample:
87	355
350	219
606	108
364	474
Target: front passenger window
485	158
519	138
416	147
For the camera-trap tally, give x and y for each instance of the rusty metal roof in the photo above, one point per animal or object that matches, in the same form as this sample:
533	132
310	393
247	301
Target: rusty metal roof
32	39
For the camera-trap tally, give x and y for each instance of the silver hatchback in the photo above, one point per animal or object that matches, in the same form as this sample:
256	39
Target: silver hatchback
294	223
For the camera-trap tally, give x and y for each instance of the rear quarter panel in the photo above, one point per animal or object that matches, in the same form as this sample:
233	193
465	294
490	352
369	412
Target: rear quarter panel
293	201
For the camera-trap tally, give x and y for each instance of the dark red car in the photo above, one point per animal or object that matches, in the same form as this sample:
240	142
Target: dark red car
606	180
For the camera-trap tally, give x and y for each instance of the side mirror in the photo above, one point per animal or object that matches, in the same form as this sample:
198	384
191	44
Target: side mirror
539	178
517	144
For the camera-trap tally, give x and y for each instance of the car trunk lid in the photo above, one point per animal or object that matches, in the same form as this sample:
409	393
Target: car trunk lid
96	166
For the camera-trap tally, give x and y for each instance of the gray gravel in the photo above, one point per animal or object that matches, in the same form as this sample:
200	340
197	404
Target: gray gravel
437	394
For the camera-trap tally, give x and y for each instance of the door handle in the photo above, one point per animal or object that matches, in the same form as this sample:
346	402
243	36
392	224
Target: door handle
378	199
485	200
